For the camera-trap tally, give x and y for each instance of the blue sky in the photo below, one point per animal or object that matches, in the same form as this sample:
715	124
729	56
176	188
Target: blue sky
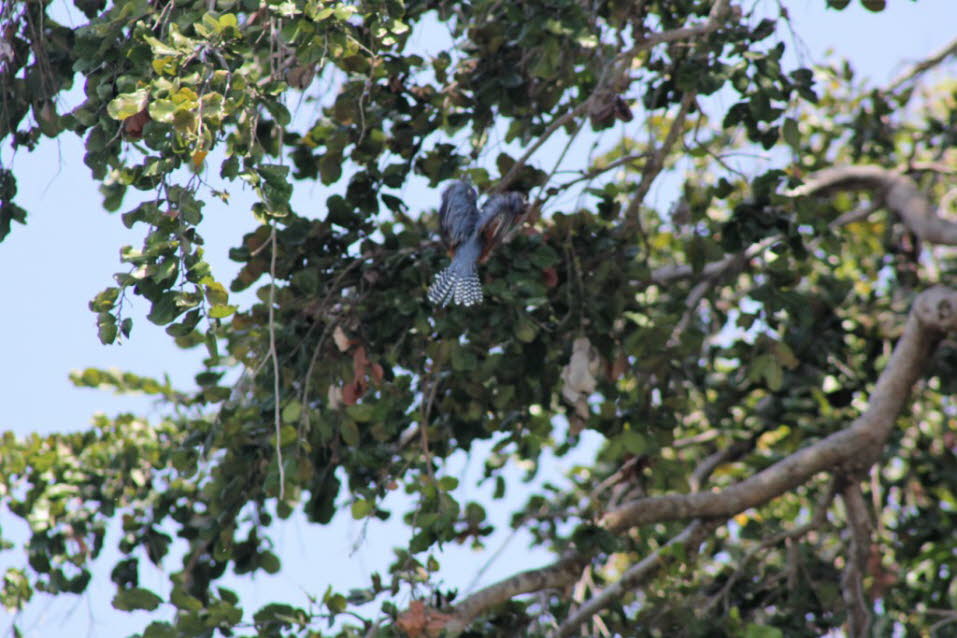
69	250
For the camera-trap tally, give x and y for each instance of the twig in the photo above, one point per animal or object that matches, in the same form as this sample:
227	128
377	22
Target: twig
713	461
424	426
857	215
275	364
510	175
817	520
656	162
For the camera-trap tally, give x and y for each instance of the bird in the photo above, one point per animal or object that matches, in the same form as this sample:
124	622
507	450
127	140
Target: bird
470	235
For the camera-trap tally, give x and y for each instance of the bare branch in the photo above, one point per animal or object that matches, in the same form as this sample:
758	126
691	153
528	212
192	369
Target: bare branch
640	572
275	364
556	575
715	16
512	173
923	66
934	312
713	461
817	520
656	161
852	586
899	191
672	273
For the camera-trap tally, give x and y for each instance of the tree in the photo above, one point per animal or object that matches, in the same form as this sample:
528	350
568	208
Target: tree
766	361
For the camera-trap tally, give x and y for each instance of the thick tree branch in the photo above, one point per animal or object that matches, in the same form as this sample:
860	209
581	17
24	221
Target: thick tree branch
899	192
934	312
853	449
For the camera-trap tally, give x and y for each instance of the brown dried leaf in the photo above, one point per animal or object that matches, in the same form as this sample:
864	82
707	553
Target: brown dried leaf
412	621
360	362
133	125
550	276
420	620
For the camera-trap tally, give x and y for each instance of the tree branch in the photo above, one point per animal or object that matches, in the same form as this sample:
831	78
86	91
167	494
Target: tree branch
817	520
934	312
852	586
923	66
900	194
718	9
640	572
656	161
621	61
556	575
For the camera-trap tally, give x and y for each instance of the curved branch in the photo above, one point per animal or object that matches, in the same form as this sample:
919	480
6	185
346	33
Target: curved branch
934	312
900	194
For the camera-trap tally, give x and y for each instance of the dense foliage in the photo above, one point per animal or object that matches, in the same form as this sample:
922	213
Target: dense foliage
601	314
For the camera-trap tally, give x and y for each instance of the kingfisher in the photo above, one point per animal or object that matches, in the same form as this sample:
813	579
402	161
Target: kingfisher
470	235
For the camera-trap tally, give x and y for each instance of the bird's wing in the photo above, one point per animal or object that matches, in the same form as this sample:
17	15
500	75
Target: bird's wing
499	214
458	214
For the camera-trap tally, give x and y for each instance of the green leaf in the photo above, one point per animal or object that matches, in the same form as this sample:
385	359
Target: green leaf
361	509
181	599
350	433
269	562
874	5
791	134
762	631
136	598
164	309
292	412
158	629
336	603
361	412
127	104
220	311
106	328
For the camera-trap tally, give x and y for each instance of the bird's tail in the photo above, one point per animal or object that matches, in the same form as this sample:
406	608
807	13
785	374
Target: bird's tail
457	284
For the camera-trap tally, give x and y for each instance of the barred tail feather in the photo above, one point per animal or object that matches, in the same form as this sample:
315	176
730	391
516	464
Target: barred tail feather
453	285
